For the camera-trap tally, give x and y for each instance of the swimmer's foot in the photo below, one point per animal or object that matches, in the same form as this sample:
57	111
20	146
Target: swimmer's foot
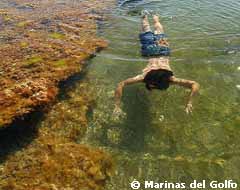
145	13
155	17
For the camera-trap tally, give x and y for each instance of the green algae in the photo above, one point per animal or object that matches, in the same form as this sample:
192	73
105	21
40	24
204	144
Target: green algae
24	44
7	18
60	63
22	24
34	59
56	35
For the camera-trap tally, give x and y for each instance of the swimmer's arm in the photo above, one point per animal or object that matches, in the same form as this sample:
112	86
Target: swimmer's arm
194	86
121	85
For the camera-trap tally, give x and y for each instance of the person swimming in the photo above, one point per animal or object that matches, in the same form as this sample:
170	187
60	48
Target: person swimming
158	73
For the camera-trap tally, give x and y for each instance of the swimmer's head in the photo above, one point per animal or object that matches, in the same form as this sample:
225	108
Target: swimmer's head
158	79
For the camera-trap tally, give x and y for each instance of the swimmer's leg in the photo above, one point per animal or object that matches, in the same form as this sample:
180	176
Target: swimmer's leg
157	25
145	24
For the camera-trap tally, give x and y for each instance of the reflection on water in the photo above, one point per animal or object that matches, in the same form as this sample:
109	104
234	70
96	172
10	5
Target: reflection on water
157	140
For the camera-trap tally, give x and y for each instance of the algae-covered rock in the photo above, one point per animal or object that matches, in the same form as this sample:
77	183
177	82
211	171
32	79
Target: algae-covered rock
43	44
36	55
65	168
53	159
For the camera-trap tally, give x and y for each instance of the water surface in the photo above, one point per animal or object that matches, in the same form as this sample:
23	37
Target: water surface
157	140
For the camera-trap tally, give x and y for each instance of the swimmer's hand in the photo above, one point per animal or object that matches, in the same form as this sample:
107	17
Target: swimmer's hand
118	113
189	108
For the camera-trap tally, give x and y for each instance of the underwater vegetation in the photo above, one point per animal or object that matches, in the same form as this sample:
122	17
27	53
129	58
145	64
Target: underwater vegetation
57	166
42	44
54	159
40	47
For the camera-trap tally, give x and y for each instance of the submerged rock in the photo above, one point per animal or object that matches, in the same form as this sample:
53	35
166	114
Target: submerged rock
54	159
67	165
48	43
36	54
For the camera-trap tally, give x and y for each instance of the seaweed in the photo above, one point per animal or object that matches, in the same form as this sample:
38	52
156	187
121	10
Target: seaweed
35	58
56	35
33	52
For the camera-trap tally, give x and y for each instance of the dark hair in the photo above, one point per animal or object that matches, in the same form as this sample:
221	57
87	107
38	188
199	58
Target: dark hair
159	78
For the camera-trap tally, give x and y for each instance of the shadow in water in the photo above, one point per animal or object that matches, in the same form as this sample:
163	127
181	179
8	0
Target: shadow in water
19	134
70	83
22	132
136	105
132	129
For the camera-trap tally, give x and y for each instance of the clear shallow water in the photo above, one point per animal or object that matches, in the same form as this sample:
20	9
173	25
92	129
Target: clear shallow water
157	140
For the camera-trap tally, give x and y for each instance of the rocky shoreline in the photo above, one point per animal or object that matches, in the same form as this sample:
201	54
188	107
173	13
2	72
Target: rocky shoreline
42	44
